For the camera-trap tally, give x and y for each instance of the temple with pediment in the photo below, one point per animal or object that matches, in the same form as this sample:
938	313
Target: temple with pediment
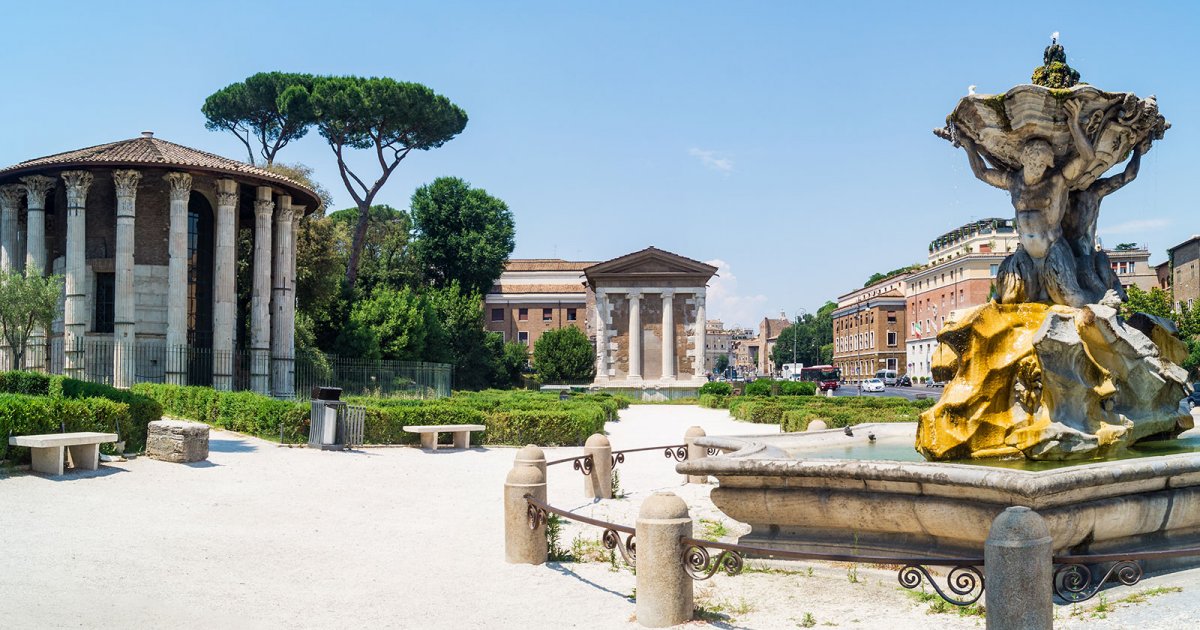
644	311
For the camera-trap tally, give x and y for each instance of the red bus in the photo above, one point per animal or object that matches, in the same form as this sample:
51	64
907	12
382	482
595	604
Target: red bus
825	376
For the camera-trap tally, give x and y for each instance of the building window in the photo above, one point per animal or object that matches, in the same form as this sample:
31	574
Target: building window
523	314
105	302
523	336
891	364
570	314
891	317
547	314
497	314
891	339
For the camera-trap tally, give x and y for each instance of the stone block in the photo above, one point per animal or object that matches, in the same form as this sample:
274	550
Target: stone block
177	441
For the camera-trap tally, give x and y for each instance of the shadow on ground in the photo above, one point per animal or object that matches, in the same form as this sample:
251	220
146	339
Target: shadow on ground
231	446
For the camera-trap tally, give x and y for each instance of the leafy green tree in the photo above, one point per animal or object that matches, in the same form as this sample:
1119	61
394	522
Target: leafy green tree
390	119
462	234
812	333
1153	302
475	353
386	260
26	303
1124	247
564	355
721	363
513	363
269	109
392	324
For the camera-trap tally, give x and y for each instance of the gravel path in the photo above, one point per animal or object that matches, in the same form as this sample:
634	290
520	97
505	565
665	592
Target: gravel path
262	536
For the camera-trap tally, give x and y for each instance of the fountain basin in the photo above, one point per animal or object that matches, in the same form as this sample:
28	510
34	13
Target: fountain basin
796	494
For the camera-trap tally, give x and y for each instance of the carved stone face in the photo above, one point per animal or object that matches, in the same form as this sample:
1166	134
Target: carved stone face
1036	157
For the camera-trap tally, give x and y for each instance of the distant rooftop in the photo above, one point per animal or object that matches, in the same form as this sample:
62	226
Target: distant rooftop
547	264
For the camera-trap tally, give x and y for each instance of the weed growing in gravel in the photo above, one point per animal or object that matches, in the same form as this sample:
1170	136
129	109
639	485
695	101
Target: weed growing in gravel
713	530
808	621
555	552
617	492
588	550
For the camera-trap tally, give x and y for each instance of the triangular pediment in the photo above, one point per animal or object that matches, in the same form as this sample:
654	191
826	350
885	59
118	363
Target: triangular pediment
650	262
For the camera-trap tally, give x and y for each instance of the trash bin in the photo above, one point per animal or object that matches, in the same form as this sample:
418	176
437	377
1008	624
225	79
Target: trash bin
324	418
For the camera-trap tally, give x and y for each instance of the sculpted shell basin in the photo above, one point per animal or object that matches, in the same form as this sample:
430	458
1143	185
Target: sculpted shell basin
794	501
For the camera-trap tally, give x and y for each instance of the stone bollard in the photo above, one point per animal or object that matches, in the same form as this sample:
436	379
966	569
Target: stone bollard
817	425
521	544
664	590
532	455
1018	571
695	453
598	485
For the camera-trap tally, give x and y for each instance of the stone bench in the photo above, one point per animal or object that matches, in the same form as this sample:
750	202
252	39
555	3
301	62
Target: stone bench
177	441
462	434
47	450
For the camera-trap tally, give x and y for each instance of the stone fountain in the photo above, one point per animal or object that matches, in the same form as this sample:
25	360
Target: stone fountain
1050	370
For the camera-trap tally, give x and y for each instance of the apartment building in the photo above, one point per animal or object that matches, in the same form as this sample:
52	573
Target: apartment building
534	295
868	329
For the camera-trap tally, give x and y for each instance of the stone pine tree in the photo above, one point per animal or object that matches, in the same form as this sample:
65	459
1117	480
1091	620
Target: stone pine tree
26	303
386	119
462	234
266	111
564	355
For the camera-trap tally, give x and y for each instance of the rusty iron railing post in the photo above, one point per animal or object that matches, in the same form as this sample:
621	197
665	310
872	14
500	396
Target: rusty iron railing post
598	484
695	452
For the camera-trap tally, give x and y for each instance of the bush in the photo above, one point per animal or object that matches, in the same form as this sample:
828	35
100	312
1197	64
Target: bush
760	387
716	388
33	415
244	412
797	388
713	401
29	383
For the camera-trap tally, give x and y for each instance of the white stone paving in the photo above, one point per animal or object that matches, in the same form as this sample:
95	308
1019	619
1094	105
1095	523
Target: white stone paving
264	537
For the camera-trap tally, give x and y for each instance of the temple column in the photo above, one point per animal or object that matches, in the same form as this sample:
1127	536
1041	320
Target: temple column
635	336
668	335
701	365
281	298
224	284
601	337
260	300
124	315
177	278
289	330
10	203
75	311
36	187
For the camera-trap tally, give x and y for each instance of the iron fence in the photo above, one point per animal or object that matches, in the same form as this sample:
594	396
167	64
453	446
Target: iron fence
103	360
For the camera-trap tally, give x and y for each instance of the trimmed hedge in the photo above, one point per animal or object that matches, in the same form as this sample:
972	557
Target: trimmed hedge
514	418
760	387
713	401
139	410
797	388
717	388
22	414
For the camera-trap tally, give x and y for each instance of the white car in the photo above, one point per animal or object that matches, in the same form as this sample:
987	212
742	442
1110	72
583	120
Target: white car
871	385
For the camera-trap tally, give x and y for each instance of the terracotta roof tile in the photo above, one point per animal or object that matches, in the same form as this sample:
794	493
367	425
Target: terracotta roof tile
546	264
150	151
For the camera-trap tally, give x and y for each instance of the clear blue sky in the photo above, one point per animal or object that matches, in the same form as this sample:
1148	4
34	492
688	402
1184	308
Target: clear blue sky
789	140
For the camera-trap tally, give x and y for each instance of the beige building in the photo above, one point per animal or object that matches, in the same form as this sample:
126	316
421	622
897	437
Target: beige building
718	342
534	295
1132	267
649	319
868	329
745	348
768	334
960	273
1185	270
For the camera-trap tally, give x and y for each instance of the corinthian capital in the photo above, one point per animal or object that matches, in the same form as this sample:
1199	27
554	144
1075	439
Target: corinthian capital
36	187
10	196
126	183
78	183
263	208
285	213
227	192
181	186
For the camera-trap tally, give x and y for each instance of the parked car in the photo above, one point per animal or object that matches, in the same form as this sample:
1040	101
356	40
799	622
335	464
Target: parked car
887	376
904	381
871	385
935	384
1194	397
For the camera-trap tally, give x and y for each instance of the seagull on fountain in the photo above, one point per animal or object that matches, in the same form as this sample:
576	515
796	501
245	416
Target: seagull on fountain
970	90
847	431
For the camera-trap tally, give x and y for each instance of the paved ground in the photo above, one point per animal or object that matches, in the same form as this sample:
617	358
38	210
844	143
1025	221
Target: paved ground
267	537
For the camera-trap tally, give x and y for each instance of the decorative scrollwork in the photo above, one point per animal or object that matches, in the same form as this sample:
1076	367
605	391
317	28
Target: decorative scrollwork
966	582
619	458
678	453
612	540
1073	581
536	515
699	565
711	451
583	465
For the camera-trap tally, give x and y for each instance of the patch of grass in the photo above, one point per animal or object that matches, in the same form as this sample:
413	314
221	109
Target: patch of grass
555	552
588	550
713	530
761	568
723	610
1141	596
617	492
808	621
